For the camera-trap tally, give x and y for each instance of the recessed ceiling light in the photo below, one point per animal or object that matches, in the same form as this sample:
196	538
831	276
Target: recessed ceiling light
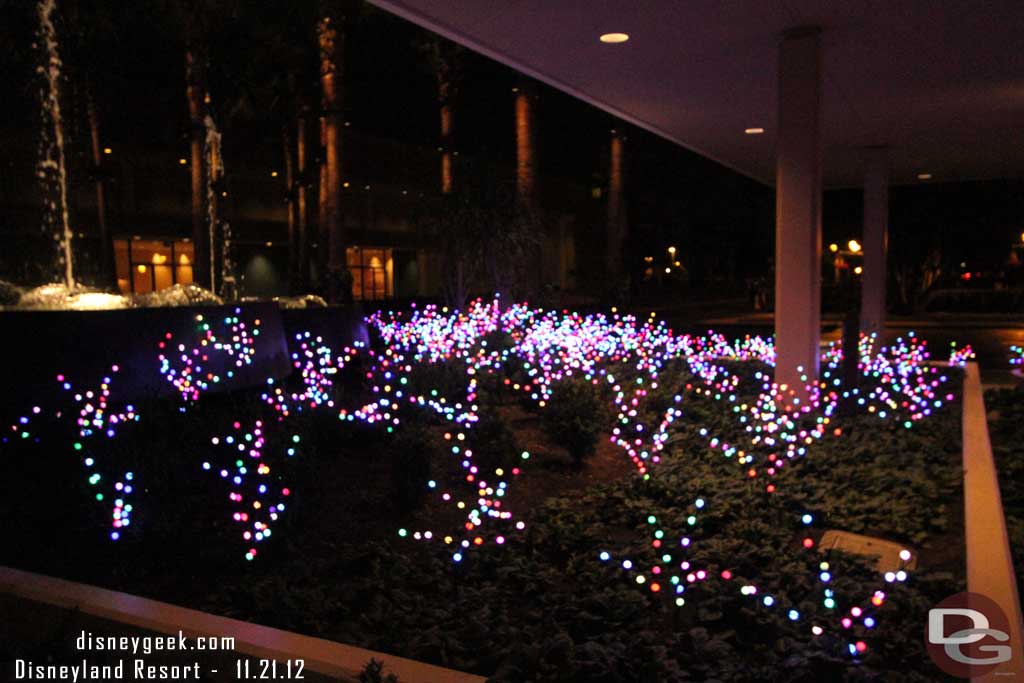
614	37
924	176
753	131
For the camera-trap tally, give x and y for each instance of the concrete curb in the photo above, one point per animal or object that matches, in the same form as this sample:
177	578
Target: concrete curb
989	564
23	594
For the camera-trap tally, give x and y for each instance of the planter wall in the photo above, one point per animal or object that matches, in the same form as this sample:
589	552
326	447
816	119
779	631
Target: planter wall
82	346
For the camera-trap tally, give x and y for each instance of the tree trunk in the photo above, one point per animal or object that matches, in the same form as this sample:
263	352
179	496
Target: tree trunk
445	87
197	133
331	36
108	276
532	279
526	155
301	199
289	182
446	146
616	206
322	235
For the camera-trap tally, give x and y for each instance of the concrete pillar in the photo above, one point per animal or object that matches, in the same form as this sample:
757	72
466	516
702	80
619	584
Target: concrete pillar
875	240
798	210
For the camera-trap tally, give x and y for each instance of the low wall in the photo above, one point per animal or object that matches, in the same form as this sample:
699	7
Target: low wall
337	325
42	617
989	563
82	346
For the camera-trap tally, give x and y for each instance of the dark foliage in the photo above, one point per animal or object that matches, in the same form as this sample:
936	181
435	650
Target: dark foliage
373	672
494	443
576	418
541	607
411	451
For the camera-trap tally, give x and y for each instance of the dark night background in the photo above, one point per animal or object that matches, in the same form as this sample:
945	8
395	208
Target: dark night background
131	54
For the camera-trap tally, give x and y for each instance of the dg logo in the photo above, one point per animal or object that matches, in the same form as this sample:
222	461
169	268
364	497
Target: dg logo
968	635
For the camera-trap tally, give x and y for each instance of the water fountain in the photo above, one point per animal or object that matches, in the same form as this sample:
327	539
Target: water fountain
51	169
214	176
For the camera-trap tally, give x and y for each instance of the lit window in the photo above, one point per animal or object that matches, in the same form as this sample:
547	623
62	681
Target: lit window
151	265
372	271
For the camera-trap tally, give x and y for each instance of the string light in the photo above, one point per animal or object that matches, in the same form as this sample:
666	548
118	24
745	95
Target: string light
625	358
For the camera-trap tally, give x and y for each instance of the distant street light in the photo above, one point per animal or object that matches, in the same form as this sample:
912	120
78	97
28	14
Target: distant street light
854	246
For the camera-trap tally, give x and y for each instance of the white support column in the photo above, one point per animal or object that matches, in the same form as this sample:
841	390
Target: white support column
798	210
875	240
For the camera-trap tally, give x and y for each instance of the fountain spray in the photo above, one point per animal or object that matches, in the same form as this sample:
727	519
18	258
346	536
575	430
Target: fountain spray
52	170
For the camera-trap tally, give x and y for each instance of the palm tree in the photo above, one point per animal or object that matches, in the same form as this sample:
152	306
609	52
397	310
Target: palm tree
301	198
444	59
196	22
94	37
272	83
335	21
616	204
527	218
195	96
526	148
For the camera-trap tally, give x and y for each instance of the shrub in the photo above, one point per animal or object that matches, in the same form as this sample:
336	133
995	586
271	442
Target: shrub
575	418
447	378
494	443
411	451
373	672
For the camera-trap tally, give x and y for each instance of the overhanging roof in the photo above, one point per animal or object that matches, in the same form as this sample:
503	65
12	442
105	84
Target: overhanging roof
941	83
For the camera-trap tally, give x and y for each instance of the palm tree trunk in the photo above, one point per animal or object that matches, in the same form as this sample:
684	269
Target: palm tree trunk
323	234
197	133
526	183
302	209
526	156
330	37
289	182
616	206
107	274
446	139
